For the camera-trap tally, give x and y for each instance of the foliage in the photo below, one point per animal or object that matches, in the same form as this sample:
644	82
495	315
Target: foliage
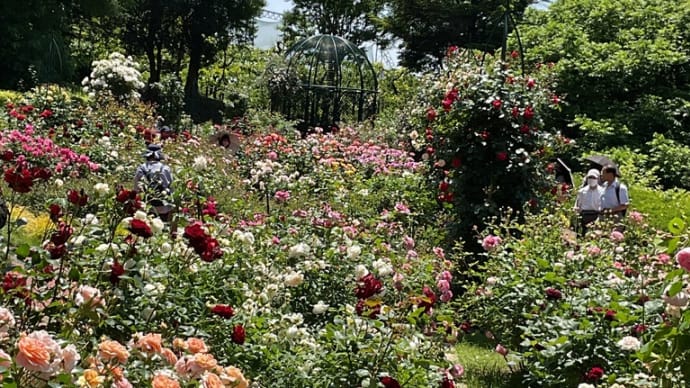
577	304
485	136
118	76
428	27
670	157
354	21
623	66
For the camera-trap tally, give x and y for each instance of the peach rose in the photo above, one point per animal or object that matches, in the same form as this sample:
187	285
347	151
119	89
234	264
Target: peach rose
163	381
169	356
211	380
200	363
150	343
39	352
70	358
6	320
181	366
179	343
112	350
117	372
233	377
196	345
89	296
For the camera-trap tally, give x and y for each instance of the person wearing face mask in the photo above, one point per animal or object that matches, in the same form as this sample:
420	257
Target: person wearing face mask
588	201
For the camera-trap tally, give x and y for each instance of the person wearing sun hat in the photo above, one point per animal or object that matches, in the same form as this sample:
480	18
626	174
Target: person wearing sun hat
589	199
153	178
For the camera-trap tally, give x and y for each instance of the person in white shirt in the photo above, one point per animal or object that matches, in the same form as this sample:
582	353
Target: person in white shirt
615	200
588	201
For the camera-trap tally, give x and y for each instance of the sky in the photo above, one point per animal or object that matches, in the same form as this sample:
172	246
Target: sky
278	5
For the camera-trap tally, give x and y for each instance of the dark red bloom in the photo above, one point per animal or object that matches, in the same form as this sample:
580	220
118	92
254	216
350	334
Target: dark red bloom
456	162
116	270
431	114
7	156
466	326
19	179
638	329
123	195
501	156
529	113
55	212
223	310
140	228
56	251
211	250
368	286
12	281
210	208
594	374
40	173
238	334
46	113
443	186
514	54
553	294
62	234
447	383
428	300
497	103
78	198
389	382
610	315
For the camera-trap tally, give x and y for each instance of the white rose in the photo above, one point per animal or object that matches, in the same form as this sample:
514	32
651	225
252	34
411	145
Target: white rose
157	225
165	248
294	279
679	300
354	251
140	215
629	343
101	188
320	308
299	250
361	271
200	163
59	182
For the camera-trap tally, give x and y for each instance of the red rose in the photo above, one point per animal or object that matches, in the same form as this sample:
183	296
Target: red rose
78	198
497	103
223	310
62	234
501	156
443	186
116	270
368	286
13	280
515	112
428	300
530	83
447	383
389	382
553	294
610	315
123	195
46	113
19	179
211	250
431	114
140	228
238	334
7	156
528	114
514	54
55	212
210	208
594	374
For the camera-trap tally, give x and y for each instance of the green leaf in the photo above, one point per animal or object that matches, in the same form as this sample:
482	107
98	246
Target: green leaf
23	251
676	226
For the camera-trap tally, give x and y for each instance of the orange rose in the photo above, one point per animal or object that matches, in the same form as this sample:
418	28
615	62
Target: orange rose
169	356
200	363
113	350
162	381
150	343
178	343
117	372
196	345
33	355
211	380
233	377
91	378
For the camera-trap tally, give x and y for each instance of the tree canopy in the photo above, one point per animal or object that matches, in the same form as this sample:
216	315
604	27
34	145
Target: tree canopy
623	65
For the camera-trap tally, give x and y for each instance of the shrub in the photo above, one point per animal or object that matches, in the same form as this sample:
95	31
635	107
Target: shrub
117	75
671	159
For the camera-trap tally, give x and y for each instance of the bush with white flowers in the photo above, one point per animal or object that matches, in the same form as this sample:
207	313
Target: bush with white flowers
117	75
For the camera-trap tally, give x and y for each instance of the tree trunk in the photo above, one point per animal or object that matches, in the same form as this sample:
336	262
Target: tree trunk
153	41
191	86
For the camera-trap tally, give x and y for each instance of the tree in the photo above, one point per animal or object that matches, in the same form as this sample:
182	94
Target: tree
623	66
352	20
428	27
36	35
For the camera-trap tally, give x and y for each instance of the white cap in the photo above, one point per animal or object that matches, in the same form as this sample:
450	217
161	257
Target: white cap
593	173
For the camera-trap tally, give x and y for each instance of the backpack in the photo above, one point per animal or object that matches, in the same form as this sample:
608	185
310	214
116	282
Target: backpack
618	198
157	185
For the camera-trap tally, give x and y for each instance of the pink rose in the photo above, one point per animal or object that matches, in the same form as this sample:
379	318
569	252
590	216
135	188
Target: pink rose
683	258
617	236
593	250
5	360
636	217
70	358
408	242
500	349
88	295
443	285
491	242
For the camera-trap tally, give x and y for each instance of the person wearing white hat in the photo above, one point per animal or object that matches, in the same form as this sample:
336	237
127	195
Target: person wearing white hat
588	201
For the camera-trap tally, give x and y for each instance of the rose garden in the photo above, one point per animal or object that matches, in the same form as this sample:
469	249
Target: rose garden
429	245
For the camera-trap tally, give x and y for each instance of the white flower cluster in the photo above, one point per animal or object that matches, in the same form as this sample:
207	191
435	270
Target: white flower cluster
117	74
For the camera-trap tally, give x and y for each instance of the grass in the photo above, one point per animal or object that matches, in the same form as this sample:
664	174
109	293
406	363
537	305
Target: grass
484	368
660	206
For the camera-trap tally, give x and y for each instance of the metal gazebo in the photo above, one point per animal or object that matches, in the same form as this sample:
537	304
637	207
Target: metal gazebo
336	82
